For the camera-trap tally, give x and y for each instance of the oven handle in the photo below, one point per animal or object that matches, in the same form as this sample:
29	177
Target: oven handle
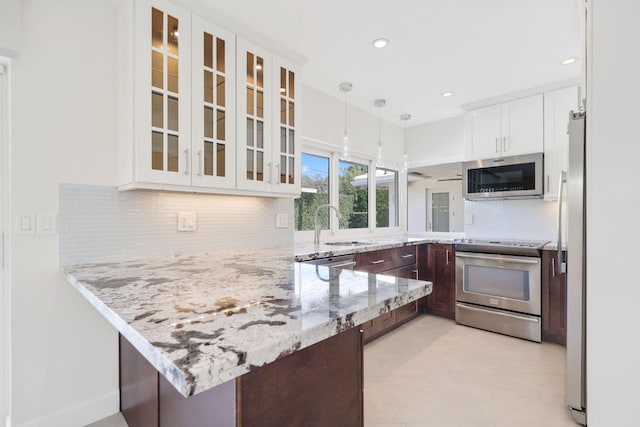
499	258
514	316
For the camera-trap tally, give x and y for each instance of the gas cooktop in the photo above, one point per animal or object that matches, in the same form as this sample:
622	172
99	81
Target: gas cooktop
507	247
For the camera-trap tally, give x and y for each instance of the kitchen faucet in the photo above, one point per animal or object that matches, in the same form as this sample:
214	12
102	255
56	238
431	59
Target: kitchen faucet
316	223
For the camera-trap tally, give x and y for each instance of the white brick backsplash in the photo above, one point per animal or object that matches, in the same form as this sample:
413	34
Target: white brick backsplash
512	219
102	224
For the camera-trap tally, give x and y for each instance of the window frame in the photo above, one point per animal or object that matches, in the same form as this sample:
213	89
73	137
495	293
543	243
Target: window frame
318	148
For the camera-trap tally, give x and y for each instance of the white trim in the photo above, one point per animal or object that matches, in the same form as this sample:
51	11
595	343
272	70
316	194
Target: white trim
522	94
5	262
80	414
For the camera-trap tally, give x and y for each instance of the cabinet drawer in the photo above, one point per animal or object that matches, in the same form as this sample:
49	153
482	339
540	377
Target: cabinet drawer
406	272
385	320
374	261
406	311
405	255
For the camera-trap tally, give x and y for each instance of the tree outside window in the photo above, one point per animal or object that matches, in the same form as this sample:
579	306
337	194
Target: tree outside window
314	192
353	194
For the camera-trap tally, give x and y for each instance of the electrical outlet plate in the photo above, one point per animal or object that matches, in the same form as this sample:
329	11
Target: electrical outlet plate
187	221
26	224
46	222
282	220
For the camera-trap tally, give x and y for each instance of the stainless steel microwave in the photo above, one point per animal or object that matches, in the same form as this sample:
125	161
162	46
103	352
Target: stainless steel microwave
507	177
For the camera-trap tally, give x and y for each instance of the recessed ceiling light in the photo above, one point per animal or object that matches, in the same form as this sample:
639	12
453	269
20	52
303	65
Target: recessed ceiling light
569	61
446	94
380	43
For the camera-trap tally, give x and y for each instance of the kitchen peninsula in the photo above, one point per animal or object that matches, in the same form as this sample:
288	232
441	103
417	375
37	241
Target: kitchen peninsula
241	338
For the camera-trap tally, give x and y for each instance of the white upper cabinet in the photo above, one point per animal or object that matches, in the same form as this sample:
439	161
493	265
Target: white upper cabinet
268	148
213	110
507	129
162	99
201	113
557	105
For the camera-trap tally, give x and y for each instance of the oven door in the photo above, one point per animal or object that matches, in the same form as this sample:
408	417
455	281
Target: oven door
500	281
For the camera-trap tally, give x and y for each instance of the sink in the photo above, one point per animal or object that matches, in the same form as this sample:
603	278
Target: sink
348	243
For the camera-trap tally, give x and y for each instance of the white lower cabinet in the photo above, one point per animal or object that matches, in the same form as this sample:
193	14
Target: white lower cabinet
200	112
557	105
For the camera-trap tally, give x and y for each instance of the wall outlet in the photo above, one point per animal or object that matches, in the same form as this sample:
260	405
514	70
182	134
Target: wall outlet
26	224
468	219
187	221
46	223
282	220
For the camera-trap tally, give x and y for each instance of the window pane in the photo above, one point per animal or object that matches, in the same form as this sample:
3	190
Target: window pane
156	28
353	195
260	107
220	123
157	152
292	93
208	86
259	70
172	113
259	166
249	132
208	50
314	192
292	114
249	67
292	139
250	165
220	160
283	82
283	111
291	169
172	39
156	110
208	158
172	74
260	134
386	198
440	211
220	55
156	70
283	140
283	169
250	106
208	122
220	91
172	153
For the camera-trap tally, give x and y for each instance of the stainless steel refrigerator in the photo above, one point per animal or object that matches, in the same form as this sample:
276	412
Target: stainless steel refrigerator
575	267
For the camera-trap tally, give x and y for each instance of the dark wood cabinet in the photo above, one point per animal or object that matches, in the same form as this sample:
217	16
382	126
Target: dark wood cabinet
396	262
321	385
554	300
436	264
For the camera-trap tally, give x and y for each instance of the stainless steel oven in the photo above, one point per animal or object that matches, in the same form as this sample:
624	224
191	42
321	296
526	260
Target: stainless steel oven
500	292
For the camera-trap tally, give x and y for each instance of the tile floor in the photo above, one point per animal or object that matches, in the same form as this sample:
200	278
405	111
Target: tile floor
433	372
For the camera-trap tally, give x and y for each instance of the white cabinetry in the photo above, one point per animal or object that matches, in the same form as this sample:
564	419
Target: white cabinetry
202	114
507	129
268	150
557	105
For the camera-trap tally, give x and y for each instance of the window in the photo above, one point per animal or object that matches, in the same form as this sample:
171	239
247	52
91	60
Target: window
386	198
353	194
315	192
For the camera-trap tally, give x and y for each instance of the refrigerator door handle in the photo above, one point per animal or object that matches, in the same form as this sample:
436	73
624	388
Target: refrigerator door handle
563	181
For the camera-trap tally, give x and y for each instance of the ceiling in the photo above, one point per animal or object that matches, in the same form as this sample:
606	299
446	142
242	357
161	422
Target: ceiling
477	49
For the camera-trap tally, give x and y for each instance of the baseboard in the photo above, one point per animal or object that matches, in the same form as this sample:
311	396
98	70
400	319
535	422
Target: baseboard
80	414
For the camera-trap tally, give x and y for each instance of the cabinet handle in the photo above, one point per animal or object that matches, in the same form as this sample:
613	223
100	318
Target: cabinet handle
497	145
269	167
548	189
199	162
379	261
278	174
504	143
447	257
407	256
416	273
186	162
553	267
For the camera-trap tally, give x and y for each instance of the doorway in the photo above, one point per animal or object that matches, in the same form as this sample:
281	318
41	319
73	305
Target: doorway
5	296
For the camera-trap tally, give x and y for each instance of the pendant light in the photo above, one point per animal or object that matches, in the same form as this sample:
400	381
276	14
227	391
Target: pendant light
379	103
346	152
405	164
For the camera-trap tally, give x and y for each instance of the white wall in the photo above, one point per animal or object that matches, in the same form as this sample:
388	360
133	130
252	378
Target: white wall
613	203
9	27
63	120
435	143
323	120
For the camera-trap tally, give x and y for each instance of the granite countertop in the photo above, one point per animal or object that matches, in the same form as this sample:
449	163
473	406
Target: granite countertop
310	251
204	319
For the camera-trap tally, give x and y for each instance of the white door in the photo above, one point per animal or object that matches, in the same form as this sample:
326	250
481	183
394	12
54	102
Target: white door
439	210
4	229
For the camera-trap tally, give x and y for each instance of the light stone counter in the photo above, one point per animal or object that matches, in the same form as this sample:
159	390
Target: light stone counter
204	319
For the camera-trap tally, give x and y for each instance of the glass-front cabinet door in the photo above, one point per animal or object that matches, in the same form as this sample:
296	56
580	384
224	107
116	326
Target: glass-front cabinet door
163	89
255	167
286	123
213	109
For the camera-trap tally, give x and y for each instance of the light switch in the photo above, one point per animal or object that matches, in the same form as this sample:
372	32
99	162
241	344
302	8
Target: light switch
46	223
25	224
282	220
187	221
